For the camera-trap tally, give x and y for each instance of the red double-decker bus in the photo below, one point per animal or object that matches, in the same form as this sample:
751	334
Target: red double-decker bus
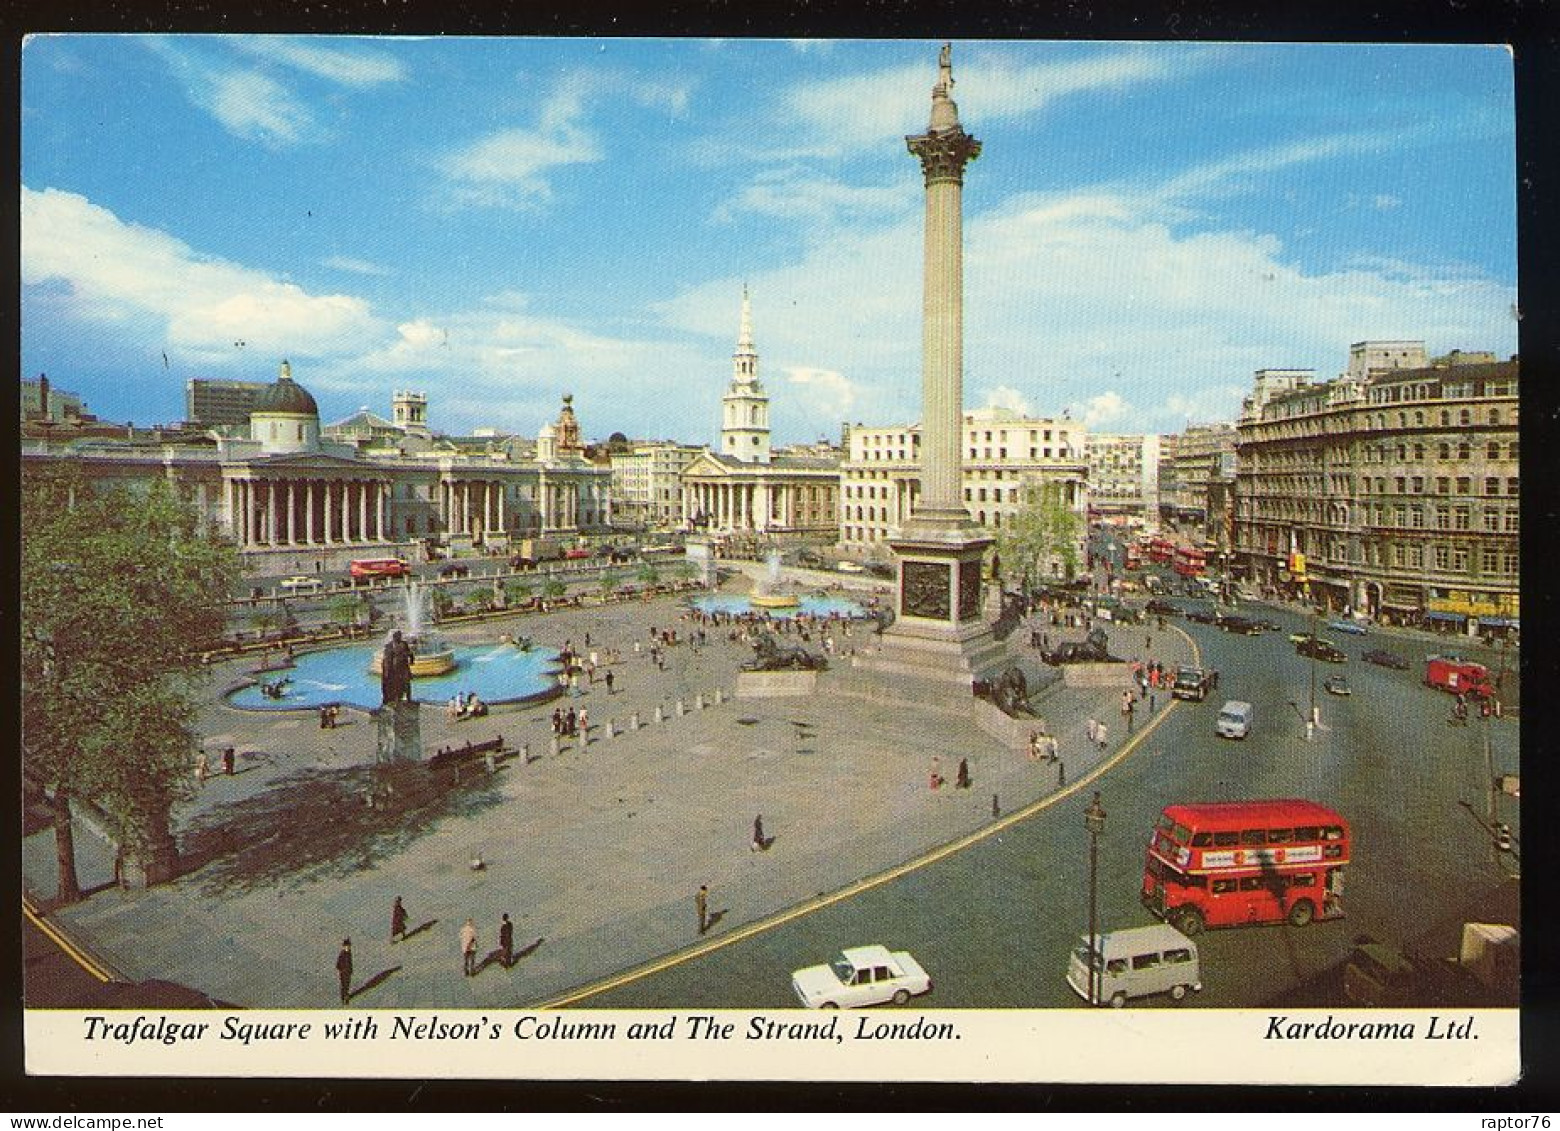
1190	561
361	568
1230	863
1161	551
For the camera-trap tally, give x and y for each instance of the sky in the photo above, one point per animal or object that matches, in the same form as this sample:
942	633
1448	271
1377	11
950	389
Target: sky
497	222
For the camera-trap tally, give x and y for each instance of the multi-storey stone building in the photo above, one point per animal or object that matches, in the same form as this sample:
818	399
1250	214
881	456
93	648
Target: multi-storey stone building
1006	457
1202	469
1392	491
1124	476
647	484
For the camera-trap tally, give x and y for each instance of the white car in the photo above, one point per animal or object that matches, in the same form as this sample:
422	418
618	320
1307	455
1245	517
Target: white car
851	567
301	584
863	975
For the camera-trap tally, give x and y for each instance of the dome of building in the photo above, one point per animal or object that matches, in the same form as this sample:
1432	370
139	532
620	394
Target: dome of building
287	396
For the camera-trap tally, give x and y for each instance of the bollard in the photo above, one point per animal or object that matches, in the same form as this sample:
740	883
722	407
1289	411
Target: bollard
610	730
720	697
660	715
633	721
681	710
698	701
525	753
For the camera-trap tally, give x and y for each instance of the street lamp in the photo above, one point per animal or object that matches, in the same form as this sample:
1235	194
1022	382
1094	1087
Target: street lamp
1094	821
1310	720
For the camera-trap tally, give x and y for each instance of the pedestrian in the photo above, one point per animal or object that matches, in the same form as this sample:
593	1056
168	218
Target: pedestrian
701	904
344	970
506	937
935	780
468	947
557	720
397	920
324	718
1153	702
1100	735
1093	730
610	681
758	834
585	721
962	781
1034	745
202	767
1061	773
227	761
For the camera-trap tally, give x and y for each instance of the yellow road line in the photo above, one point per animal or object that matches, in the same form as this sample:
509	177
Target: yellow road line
867	884
91	966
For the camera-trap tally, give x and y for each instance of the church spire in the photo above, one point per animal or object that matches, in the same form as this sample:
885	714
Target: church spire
744	363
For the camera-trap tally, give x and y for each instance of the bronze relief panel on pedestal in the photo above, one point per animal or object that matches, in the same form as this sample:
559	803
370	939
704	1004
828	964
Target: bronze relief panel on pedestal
969	590
924	590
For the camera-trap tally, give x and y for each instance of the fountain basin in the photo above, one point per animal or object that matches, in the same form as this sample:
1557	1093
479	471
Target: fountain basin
774	600
823	608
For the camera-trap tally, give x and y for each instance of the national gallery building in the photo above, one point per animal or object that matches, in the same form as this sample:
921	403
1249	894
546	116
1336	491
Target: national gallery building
296	497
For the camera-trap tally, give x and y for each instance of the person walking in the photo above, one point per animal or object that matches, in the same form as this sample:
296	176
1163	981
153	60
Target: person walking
506	941
202	767
935	779
758	834
397	920
227	761
468	947
701	904
610	681
1100	735
1093	730
344	970
963	779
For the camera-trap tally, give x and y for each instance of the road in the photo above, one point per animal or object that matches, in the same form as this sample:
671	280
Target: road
994	924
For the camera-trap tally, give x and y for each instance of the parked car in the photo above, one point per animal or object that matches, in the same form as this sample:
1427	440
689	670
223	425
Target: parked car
1266	625
1203	614
1337	685
1352	627
1135	963
851	567
301	584
1319	649
863	975
1240	625
1158	608
1385	659
454	569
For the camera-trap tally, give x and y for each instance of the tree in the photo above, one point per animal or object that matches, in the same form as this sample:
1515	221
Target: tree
517	592
346	610
554	589
1042	537
648	574
121	591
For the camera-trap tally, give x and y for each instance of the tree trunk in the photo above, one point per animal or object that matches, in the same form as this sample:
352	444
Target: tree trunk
69	887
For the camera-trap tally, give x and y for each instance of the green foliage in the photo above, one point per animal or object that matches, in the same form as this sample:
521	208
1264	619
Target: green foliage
346	609
120	592
610	582
554	589
648	575
517	591
1042	537
441	601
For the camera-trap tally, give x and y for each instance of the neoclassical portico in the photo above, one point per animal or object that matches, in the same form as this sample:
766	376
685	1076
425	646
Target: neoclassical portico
728	495
305	506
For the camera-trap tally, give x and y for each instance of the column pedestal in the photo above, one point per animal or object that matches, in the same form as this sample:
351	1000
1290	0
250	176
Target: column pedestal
398	733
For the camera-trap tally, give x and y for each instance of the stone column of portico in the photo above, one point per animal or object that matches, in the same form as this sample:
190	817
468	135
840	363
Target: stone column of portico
292	530
330	512
308	512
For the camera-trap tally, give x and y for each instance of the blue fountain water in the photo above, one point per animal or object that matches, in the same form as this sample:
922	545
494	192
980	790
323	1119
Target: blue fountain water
498	673
811	606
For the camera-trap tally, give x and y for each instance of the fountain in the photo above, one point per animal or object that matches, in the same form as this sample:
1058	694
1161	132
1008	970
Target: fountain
769	593
433	656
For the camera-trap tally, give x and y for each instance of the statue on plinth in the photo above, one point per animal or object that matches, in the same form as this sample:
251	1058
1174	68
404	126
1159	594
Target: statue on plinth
395	670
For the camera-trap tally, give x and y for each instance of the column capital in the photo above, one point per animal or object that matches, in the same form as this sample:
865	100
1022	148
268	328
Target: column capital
944	155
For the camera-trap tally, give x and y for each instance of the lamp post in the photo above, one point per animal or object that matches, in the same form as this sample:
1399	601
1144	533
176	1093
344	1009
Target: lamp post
1310	720
1094	821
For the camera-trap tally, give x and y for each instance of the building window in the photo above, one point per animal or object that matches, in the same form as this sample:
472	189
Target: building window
1442	484
1443	557
1494	416
1511	452
1444	451
1419	419
1461	518
1460	560
1465	418
1512	566
1492	520
1512	486
1464	485
1419	451
1492	450
1490	562
1443	518
1419	485
1513	521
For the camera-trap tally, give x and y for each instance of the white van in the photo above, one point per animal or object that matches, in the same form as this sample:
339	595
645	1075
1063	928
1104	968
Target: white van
1137	962
1235	719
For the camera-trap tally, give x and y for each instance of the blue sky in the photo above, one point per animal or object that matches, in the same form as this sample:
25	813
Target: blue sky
499	221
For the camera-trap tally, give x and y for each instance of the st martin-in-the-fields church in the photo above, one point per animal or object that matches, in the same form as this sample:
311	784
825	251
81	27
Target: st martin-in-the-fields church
744	487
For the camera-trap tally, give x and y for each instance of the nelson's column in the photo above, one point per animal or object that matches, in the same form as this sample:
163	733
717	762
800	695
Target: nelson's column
939	632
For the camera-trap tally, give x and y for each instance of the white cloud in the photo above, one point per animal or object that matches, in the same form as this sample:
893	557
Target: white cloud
1005	396
355	265
354	68
116	270
246	102
1104	408
794	193
513	166
830	394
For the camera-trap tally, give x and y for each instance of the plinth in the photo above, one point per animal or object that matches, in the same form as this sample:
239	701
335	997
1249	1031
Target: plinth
399	735
940	632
